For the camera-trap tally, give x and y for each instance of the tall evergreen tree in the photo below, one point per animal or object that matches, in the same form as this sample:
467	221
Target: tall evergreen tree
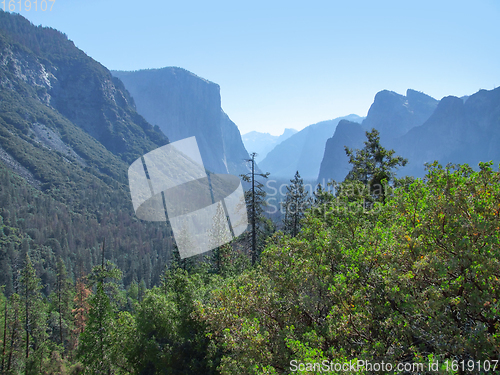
5	311
255	201
95	342
373	166
97	346
296	202
81	310
63	298
35	320
220	237
12	350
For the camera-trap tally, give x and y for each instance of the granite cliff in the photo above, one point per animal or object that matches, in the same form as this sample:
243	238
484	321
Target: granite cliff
43	64
393	114
68	132
184	105
335	164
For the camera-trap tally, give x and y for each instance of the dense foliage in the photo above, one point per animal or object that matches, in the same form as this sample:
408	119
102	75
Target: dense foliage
414	280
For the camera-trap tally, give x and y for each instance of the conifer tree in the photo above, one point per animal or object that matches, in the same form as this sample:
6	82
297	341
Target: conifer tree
295	204
373	166
96	340
63	299
255	201
5	311
97	346
81	310
220	237
12	350
133	291
141	290
35	320
321	196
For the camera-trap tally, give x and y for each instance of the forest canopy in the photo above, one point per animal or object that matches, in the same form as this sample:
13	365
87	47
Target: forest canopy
413	280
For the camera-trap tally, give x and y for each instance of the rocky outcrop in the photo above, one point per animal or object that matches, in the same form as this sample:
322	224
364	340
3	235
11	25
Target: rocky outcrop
391	114
184	105
458	131
234	150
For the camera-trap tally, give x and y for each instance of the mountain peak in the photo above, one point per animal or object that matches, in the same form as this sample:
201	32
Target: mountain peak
393	114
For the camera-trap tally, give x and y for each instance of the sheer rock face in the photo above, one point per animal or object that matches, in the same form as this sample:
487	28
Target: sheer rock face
184	105
392	114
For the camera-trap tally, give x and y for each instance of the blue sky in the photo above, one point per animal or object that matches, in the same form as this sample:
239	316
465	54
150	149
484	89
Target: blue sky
290	64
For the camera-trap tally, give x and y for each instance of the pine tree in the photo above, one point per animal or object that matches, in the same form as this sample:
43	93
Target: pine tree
321	196
81	310
63	300
295	204
5	311
96	340
141	290
220	237
133	291
97	346
35	320
373	166
255	201
13	348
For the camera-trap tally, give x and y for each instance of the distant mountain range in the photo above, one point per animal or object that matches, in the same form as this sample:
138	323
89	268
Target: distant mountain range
262	143
303	151
184	105
422	129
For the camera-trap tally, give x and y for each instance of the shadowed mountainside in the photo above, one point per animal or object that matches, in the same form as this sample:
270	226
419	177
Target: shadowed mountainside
184	105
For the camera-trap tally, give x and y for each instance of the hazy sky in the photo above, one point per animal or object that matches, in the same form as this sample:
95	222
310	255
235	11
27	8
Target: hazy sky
290	64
